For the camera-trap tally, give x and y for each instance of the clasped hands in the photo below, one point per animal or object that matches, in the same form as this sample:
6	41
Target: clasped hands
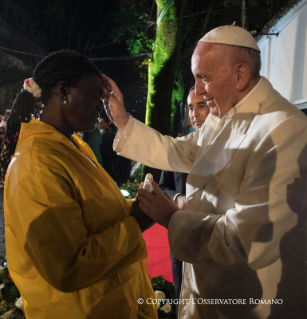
156	205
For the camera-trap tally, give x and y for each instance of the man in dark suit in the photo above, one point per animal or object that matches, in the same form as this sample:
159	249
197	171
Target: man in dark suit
106	141
173	183
116	166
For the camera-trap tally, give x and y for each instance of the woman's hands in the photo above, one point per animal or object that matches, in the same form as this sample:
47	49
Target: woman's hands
114	103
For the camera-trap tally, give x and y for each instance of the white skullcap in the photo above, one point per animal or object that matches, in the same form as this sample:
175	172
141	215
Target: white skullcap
231	35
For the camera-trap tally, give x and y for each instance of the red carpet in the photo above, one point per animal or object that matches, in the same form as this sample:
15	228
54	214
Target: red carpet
158	252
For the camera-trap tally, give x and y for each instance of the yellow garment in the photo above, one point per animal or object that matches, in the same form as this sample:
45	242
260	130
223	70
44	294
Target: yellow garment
72	249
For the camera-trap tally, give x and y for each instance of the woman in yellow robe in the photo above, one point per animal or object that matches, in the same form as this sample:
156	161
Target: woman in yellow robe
73	249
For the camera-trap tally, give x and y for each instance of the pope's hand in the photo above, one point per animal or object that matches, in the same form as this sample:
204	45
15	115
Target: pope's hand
114	103
157	205
181	201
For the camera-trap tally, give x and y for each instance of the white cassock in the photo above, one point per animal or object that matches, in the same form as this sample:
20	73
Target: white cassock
242	238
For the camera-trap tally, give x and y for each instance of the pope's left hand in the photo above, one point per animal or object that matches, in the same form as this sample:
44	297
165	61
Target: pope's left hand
157	205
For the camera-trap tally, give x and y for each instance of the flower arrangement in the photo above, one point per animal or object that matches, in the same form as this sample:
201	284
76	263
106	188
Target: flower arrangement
165	293
10	301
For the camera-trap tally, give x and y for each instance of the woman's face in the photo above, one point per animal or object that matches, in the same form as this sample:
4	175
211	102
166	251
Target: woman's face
84	104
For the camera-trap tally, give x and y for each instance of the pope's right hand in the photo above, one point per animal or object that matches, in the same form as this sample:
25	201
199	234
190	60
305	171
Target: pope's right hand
114	103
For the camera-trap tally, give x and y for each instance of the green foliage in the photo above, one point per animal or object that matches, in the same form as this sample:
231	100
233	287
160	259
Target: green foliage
158	283
177	95
166	36
8	293
135	23
10	311
135	45
162	67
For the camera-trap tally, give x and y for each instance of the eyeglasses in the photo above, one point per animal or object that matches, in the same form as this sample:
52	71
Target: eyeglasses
199	107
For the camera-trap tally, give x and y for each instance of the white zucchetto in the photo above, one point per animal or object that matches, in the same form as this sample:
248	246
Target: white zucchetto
231	35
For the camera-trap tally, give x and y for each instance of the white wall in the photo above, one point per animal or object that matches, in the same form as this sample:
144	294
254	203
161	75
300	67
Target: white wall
284	57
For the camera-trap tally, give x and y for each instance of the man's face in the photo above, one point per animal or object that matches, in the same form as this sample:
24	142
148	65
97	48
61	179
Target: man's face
198	110
215	80
102	124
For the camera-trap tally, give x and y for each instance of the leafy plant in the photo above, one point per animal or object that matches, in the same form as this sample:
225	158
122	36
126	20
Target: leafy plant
8	294
160	284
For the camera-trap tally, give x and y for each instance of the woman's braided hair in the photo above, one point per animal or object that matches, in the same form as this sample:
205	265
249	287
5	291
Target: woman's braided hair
66	65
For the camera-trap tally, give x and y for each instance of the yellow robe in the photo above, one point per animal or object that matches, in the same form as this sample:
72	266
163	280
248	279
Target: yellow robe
72	249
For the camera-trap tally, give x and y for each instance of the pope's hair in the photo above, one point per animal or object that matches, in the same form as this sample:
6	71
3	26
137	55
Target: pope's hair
232	54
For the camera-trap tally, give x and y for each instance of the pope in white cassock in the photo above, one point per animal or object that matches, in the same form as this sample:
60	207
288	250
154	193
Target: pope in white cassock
243	236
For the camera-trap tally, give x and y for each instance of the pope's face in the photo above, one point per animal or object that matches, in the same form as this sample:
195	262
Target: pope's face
198	109
215	79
